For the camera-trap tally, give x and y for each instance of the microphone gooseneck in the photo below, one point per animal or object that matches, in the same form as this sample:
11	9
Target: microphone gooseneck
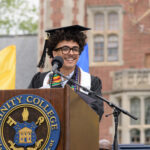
57	63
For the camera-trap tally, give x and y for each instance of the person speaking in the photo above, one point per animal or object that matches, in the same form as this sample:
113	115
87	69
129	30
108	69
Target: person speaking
68	42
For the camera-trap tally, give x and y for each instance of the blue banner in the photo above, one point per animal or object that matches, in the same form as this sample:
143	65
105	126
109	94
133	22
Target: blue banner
83	61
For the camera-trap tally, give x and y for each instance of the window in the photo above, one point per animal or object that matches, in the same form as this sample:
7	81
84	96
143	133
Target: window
112	48
106	24
135	110
111	41
113	21
147	110
135	136
99	48
147	136
119	103
99	21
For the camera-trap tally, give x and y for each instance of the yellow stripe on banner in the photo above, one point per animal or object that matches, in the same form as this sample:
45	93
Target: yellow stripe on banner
8	67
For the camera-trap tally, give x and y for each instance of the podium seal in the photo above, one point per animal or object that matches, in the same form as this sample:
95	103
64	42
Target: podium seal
28	122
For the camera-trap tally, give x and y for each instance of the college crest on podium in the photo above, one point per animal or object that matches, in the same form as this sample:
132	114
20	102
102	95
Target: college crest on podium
28	122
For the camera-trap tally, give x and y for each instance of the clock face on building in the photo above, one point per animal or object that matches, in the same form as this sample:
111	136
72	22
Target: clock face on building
139	14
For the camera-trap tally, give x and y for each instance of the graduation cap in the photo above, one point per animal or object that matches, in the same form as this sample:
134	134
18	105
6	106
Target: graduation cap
68	28
50	32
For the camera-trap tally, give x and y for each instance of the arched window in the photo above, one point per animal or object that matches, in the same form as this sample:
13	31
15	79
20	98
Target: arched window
113	21
135	110
98	48
99	21
134	136
147	110
112	48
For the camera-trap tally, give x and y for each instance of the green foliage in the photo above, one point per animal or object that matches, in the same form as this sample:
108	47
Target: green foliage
18	17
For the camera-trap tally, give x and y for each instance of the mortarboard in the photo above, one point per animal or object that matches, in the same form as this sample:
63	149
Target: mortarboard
76	28
68	28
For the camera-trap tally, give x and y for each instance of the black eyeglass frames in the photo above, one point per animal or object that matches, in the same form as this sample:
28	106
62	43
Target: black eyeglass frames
67	49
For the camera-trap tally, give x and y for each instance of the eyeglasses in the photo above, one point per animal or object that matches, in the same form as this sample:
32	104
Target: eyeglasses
67	49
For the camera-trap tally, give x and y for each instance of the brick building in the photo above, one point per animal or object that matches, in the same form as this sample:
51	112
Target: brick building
119	51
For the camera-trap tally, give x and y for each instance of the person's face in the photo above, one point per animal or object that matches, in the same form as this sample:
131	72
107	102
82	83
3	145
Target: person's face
70	58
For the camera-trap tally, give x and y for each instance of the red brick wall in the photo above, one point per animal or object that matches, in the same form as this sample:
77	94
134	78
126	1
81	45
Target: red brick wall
57	15
75	11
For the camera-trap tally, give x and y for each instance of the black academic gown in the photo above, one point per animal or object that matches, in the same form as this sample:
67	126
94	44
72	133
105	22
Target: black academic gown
91	100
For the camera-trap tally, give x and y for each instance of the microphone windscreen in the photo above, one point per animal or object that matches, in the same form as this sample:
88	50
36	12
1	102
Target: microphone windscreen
58	60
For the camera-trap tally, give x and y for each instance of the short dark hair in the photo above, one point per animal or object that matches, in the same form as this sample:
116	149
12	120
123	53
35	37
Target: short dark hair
61	35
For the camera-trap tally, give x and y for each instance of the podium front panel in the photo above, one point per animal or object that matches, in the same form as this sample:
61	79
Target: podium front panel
78	122
84	125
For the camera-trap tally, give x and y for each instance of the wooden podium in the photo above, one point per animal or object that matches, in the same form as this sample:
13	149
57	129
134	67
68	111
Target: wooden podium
79	124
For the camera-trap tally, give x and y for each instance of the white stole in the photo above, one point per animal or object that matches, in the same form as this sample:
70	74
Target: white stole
85	81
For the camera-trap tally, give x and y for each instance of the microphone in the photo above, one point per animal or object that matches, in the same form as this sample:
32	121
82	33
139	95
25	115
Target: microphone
57	63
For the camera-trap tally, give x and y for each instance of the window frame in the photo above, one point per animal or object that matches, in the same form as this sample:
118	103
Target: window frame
106	10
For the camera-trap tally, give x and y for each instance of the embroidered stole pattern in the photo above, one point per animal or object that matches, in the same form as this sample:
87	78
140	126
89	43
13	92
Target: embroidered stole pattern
76	77
56	81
